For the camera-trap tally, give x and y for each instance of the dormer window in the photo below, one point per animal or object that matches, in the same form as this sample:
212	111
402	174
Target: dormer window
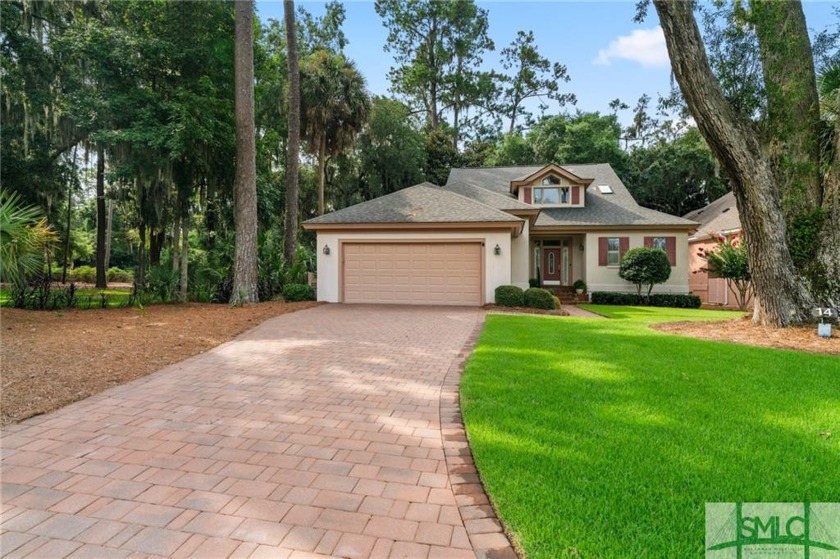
551	196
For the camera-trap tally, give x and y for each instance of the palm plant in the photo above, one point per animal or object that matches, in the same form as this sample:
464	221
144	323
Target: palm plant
25	238
334	108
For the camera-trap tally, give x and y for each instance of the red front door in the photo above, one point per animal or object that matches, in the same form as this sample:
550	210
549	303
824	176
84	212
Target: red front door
551	264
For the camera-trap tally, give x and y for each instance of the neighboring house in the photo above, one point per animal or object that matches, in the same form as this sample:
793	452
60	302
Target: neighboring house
720	218
453	245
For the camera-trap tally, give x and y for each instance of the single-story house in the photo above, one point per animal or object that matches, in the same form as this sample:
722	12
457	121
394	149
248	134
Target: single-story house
486	227
720	218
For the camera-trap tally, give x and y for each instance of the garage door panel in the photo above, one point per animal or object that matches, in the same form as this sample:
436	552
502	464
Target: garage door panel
412	273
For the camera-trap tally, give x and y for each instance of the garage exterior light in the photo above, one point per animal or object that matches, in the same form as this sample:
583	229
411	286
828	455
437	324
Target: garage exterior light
326	250
498	250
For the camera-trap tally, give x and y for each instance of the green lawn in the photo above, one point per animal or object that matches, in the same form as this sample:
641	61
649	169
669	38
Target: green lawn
604	438
87	297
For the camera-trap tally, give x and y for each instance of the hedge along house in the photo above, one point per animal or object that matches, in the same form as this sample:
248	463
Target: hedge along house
453	245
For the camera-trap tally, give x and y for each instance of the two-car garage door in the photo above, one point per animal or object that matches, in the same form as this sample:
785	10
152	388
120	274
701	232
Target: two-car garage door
412	273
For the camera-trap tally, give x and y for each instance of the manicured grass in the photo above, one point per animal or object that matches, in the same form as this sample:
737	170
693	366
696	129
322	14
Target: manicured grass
650	315
604	438
87	297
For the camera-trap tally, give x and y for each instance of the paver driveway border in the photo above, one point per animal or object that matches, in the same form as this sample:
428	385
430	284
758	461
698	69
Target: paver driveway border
333	431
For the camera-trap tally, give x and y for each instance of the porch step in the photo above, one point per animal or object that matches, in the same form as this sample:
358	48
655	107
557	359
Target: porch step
567	294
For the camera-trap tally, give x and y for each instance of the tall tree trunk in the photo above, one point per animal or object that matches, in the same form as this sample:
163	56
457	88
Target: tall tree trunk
293	144
185	252
156	239
782	296
69	216
793	109
176	245
141	255
101	278
809	199
245	185
109	235
322	172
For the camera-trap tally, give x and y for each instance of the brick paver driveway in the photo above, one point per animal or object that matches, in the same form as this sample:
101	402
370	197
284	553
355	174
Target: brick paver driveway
318	433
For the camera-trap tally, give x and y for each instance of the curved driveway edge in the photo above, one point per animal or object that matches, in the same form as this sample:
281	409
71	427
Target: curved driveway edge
316	434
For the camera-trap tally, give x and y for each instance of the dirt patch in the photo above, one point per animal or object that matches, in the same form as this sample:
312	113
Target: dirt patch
743	331
50	359
524	310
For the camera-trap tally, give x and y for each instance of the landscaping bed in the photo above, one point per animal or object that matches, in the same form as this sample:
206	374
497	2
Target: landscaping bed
744	331
51	359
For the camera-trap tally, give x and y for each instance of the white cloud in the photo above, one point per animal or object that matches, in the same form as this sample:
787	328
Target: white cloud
645	46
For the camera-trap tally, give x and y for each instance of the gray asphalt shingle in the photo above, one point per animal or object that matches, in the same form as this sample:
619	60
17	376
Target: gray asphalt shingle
718	217
618	208
421	203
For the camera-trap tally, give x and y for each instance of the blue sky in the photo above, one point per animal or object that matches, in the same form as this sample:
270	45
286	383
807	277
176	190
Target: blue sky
606	53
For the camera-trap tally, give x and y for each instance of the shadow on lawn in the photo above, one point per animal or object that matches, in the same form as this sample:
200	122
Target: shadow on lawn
607	440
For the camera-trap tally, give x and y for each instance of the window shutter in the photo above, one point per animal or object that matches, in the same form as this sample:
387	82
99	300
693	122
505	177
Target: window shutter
623	245
575	195
671	250
527	195
602	251
648	242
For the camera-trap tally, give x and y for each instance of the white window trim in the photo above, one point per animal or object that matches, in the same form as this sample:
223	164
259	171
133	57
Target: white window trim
617	252
553	204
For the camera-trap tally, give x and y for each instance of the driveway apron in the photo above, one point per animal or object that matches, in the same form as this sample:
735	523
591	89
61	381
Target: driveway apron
317	433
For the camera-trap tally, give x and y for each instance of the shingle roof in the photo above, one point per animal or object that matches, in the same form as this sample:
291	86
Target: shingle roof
421	203
718	217
618	208
488	197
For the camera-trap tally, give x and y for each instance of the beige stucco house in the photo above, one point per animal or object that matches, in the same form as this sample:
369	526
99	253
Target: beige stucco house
454	244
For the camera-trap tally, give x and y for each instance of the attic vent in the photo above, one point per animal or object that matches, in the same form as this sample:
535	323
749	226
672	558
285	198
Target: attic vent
605	189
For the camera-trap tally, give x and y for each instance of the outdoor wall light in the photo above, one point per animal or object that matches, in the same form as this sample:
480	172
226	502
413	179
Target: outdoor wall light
498	250
581	247
327	250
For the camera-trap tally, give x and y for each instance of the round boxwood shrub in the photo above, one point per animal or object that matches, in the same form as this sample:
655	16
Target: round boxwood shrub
298	292
509	296
538	298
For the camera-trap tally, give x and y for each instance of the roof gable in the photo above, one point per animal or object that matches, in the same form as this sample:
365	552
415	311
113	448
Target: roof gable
544	172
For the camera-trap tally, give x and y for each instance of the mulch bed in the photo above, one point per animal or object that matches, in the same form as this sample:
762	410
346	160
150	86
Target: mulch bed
744	331
50	359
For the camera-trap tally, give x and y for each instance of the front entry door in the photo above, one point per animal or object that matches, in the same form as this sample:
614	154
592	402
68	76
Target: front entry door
551	265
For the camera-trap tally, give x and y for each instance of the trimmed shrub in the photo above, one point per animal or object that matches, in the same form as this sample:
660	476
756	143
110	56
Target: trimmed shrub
645	267
675	300
298	292
556	300
510	296
538	298
616	298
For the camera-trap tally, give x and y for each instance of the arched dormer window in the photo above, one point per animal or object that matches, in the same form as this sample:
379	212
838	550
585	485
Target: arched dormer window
551	179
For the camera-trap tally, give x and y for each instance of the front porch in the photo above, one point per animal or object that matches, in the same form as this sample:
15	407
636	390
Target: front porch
556	262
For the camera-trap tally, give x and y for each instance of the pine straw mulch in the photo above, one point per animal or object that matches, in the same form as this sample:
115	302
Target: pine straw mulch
51	359
744	331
